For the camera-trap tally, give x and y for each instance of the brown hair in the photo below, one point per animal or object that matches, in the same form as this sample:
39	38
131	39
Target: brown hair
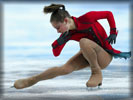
58	12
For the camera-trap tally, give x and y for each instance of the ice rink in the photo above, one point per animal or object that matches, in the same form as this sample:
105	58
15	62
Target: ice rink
116	83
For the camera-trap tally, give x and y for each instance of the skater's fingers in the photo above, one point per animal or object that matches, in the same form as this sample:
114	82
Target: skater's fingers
111	41
114	41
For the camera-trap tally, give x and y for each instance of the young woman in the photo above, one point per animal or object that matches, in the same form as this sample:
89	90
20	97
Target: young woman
95	47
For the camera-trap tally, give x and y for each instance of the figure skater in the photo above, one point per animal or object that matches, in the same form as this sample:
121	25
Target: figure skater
95	47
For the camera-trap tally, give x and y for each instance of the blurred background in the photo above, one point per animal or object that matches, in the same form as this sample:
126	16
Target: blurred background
28	35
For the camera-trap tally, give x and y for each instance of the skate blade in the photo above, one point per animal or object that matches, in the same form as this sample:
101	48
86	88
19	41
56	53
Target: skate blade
100	84
91	88
95	88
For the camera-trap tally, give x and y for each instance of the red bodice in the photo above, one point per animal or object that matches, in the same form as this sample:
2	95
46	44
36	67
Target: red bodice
87	26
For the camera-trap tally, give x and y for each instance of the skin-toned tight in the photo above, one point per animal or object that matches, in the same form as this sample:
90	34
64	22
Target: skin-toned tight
99	57
90	54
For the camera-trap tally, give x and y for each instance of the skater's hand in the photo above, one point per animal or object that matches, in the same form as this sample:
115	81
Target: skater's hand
111	39
64	38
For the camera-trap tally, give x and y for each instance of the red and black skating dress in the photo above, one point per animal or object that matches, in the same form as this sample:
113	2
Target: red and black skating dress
87	26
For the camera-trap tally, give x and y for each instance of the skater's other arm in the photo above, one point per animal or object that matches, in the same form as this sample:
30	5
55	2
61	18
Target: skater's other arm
96	15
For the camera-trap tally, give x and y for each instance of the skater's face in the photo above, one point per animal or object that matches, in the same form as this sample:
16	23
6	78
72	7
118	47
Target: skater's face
61	27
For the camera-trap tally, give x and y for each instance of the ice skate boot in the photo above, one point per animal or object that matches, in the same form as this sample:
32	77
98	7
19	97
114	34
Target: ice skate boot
23	83
95	78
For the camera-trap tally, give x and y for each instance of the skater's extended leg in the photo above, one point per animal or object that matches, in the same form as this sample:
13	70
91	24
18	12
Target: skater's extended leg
98	59
77	62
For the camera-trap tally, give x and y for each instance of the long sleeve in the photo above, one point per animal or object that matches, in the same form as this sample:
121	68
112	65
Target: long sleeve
57	48
96	15
60	43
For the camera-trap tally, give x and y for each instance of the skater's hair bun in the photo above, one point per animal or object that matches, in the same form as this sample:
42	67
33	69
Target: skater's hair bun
53	7
58	12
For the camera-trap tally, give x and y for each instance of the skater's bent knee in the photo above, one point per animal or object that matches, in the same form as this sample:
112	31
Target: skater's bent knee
85	42
82	41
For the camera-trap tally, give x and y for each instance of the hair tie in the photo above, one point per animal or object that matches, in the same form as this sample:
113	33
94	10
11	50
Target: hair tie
63	7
